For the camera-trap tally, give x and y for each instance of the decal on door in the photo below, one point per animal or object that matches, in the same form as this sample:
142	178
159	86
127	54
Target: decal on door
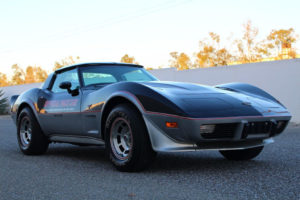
65	105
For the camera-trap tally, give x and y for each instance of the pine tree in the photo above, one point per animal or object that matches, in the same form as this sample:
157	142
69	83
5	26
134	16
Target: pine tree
3	103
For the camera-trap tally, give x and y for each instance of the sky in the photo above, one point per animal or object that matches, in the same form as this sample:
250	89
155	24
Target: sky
41	32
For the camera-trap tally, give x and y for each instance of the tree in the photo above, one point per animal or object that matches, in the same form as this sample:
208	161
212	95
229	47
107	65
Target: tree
249	50
173	61
3	103
65	62
283	38
3	80
223	57
35	74
127	59
211	53
40	74
18	75
180	61
30	76
149	68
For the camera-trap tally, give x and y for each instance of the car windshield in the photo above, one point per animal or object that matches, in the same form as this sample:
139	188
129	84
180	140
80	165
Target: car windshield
102	75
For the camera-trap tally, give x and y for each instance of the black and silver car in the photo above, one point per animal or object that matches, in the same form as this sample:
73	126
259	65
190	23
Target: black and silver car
125	108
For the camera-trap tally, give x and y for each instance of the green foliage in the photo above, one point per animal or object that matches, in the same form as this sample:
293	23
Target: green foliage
3	103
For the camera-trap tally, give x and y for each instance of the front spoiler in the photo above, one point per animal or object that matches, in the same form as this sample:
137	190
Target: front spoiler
190	139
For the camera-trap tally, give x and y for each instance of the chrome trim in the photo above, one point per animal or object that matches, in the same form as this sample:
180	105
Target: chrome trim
93	132
25	132
76	139
121	141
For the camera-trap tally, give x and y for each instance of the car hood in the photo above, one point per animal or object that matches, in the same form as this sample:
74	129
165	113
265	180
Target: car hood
206	101
177	88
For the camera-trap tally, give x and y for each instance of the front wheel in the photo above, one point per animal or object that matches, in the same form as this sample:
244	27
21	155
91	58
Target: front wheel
127	141
243	154
31	140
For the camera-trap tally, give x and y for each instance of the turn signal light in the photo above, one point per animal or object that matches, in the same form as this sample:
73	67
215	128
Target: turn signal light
171	125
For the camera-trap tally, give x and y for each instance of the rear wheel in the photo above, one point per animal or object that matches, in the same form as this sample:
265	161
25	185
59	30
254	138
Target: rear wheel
243	154
31	140
127	141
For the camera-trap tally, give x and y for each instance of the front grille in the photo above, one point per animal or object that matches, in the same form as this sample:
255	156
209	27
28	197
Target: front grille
222	131
257	128
267	127
251	129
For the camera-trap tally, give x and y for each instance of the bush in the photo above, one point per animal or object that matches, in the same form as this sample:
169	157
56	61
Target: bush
3	104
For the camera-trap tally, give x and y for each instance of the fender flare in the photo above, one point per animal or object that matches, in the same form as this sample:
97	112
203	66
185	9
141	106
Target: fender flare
120	94
247	89
127	95
30	104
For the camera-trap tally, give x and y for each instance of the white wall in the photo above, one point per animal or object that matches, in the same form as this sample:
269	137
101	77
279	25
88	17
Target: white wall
279	78
18	89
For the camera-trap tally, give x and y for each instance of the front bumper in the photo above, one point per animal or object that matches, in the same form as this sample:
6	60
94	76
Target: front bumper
187	136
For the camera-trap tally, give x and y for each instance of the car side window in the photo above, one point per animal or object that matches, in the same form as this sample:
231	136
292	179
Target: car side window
71	76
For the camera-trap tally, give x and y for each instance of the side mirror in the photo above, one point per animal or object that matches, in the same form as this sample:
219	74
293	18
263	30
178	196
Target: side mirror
66	85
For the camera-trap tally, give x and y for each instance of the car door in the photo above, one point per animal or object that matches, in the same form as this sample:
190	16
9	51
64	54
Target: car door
61	109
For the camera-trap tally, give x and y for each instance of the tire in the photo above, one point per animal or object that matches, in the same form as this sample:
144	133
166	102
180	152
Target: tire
244	154
127	142
31	139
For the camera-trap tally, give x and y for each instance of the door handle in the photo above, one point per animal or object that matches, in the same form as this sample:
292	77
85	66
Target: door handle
58	115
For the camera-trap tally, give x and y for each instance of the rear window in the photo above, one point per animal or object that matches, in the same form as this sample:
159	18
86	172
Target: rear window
91	78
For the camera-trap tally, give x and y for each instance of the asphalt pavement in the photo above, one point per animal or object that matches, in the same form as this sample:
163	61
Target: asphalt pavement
69	172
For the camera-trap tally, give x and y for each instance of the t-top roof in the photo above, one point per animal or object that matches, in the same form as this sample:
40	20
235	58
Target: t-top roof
96	64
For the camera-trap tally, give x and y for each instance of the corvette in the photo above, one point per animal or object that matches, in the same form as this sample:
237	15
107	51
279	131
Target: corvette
125	108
